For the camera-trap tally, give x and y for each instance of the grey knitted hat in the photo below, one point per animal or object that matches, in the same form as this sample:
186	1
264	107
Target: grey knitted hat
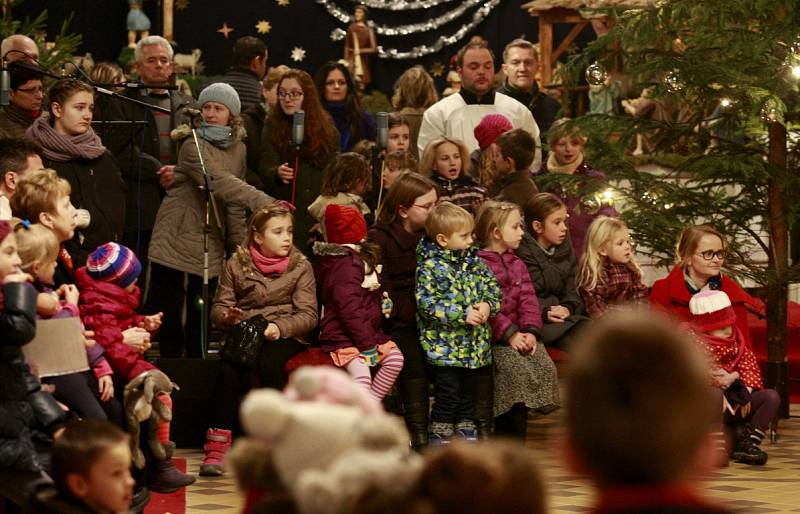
221	93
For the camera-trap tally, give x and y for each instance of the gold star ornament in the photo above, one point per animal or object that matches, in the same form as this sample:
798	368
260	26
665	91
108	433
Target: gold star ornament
225	30
437	69
181	4
263	27
283	3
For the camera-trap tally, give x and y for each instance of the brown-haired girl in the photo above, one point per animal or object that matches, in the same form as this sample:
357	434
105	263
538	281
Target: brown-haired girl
71	147
346	179
397	232
547	252
699	257
524	375
267	277
296	92
444	159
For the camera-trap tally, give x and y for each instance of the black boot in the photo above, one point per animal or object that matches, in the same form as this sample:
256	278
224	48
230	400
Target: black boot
414	393
484	404
748	450
513	424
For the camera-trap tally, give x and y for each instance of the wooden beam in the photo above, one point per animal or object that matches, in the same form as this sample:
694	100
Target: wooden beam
569	39
169	12
546	48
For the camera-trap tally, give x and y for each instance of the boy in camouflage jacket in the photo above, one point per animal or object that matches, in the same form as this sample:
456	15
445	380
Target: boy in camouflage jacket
456	294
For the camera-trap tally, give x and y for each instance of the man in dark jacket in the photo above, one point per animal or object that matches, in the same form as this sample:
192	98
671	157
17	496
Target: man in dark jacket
145	152
249	67
519	65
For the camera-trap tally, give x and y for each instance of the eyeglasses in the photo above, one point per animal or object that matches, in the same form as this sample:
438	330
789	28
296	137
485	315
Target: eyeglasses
710	254
425	206
293	95
32	90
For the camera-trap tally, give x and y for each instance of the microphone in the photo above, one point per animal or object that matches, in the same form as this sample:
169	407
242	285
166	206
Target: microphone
383	130
5	84
298	127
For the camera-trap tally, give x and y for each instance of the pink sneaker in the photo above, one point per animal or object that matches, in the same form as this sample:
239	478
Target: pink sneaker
218	442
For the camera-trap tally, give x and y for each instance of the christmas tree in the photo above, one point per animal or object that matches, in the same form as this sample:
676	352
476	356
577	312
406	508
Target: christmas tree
726	72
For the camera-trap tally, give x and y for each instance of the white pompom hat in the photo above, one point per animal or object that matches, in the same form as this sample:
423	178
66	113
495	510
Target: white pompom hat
711	310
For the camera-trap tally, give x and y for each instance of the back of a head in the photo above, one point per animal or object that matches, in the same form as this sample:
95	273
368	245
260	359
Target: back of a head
639	403
247	48
519	145
496	476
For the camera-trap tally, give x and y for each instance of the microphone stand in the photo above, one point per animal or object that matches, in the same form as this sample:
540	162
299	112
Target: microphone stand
210	206
296	152
378	162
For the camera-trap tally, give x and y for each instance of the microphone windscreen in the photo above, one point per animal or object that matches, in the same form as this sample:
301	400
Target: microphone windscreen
298	127
383	129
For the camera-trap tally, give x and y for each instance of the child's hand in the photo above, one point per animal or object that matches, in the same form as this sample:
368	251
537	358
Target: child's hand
285	173
46	304
272	332
474	317
88	338
557	314
153	322
17	277
137	338
519	344
485	310
232	316
106	387
530	339
386	305
69	293
724	378
369	357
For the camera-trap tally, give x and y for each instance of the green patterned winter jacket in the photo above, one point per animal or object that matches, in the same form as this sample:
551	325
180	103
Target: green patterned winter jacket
449	282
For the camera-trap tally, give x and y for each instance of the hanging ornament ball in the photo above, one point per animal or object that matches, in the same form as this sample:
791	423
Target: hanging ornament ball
673	82
596	74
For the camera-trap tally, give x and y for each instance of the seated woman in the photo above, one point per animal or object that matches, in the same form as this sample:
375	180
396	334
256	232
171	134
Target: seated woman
700	255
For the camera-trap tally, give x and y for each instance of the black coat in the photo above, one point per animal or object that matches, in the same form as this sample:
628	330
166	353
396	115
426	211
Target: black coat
97	186
543	107
26	412
137	151
399	260
553	278
49	500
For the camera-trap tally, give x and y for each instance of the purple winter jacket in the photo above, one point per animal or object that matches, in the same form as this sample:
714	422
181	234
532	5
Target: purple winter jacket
520	308
352	314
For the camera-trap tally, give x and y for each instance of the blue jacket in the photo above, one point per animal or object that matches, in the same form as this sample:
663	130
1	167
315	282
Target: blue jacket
449	282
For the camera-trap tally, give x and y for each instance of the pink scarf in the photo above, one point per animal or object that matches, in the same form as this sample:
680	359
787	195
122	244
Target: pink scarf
268	265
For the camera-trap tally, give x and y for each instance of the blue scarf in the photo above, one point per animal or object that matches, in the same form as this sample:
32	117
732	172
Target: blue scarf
217	135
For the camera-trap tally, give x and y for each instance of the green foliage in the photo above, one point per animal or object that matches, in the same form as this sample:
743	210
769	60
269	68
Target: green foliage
710	162
51	55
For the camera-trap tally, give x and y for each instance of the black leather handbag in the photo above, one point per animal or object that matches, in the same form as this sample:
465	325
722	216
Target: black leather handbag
243	343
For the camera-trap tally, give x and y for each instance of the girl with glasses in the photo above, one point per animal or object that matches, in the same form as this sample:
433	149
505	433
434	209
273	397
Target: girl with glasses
700	255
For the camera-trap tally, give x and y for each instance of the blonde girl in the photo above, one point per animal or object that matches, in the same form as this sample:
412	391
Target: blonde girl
524	375
608	274
444	160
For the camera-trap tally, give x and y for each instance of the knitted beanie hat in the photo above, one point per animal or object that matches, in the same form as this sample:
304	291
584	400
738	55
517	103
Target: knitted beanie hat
222	93
490	128
113	263
5	229
344	224
711	310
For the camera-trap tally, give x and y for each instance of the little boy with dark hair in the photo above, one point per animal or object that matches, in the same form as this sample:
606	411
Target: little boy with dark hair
91	469
640	416
515	153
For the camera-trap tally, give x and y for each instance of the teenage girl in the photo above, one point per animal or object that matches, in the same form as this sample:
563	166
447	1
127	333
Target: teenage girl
397	232
608	275
524	375
444	159
547	252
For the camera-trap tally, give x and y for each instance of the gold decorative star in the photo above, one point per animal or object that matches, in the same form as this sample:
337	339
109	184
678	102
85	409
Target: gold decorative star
437	69
283	3
263	26
181	4
298	54
225	30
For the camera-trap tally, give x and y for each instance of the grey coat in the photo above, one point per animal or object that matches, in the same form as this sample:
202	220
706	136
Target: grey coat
553	278
178	233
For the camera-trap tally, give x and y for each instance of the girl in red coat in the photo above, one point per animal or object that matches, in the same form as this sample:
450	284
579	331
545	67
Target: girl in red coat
350	329
700	255
108	302
735	371
524	375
